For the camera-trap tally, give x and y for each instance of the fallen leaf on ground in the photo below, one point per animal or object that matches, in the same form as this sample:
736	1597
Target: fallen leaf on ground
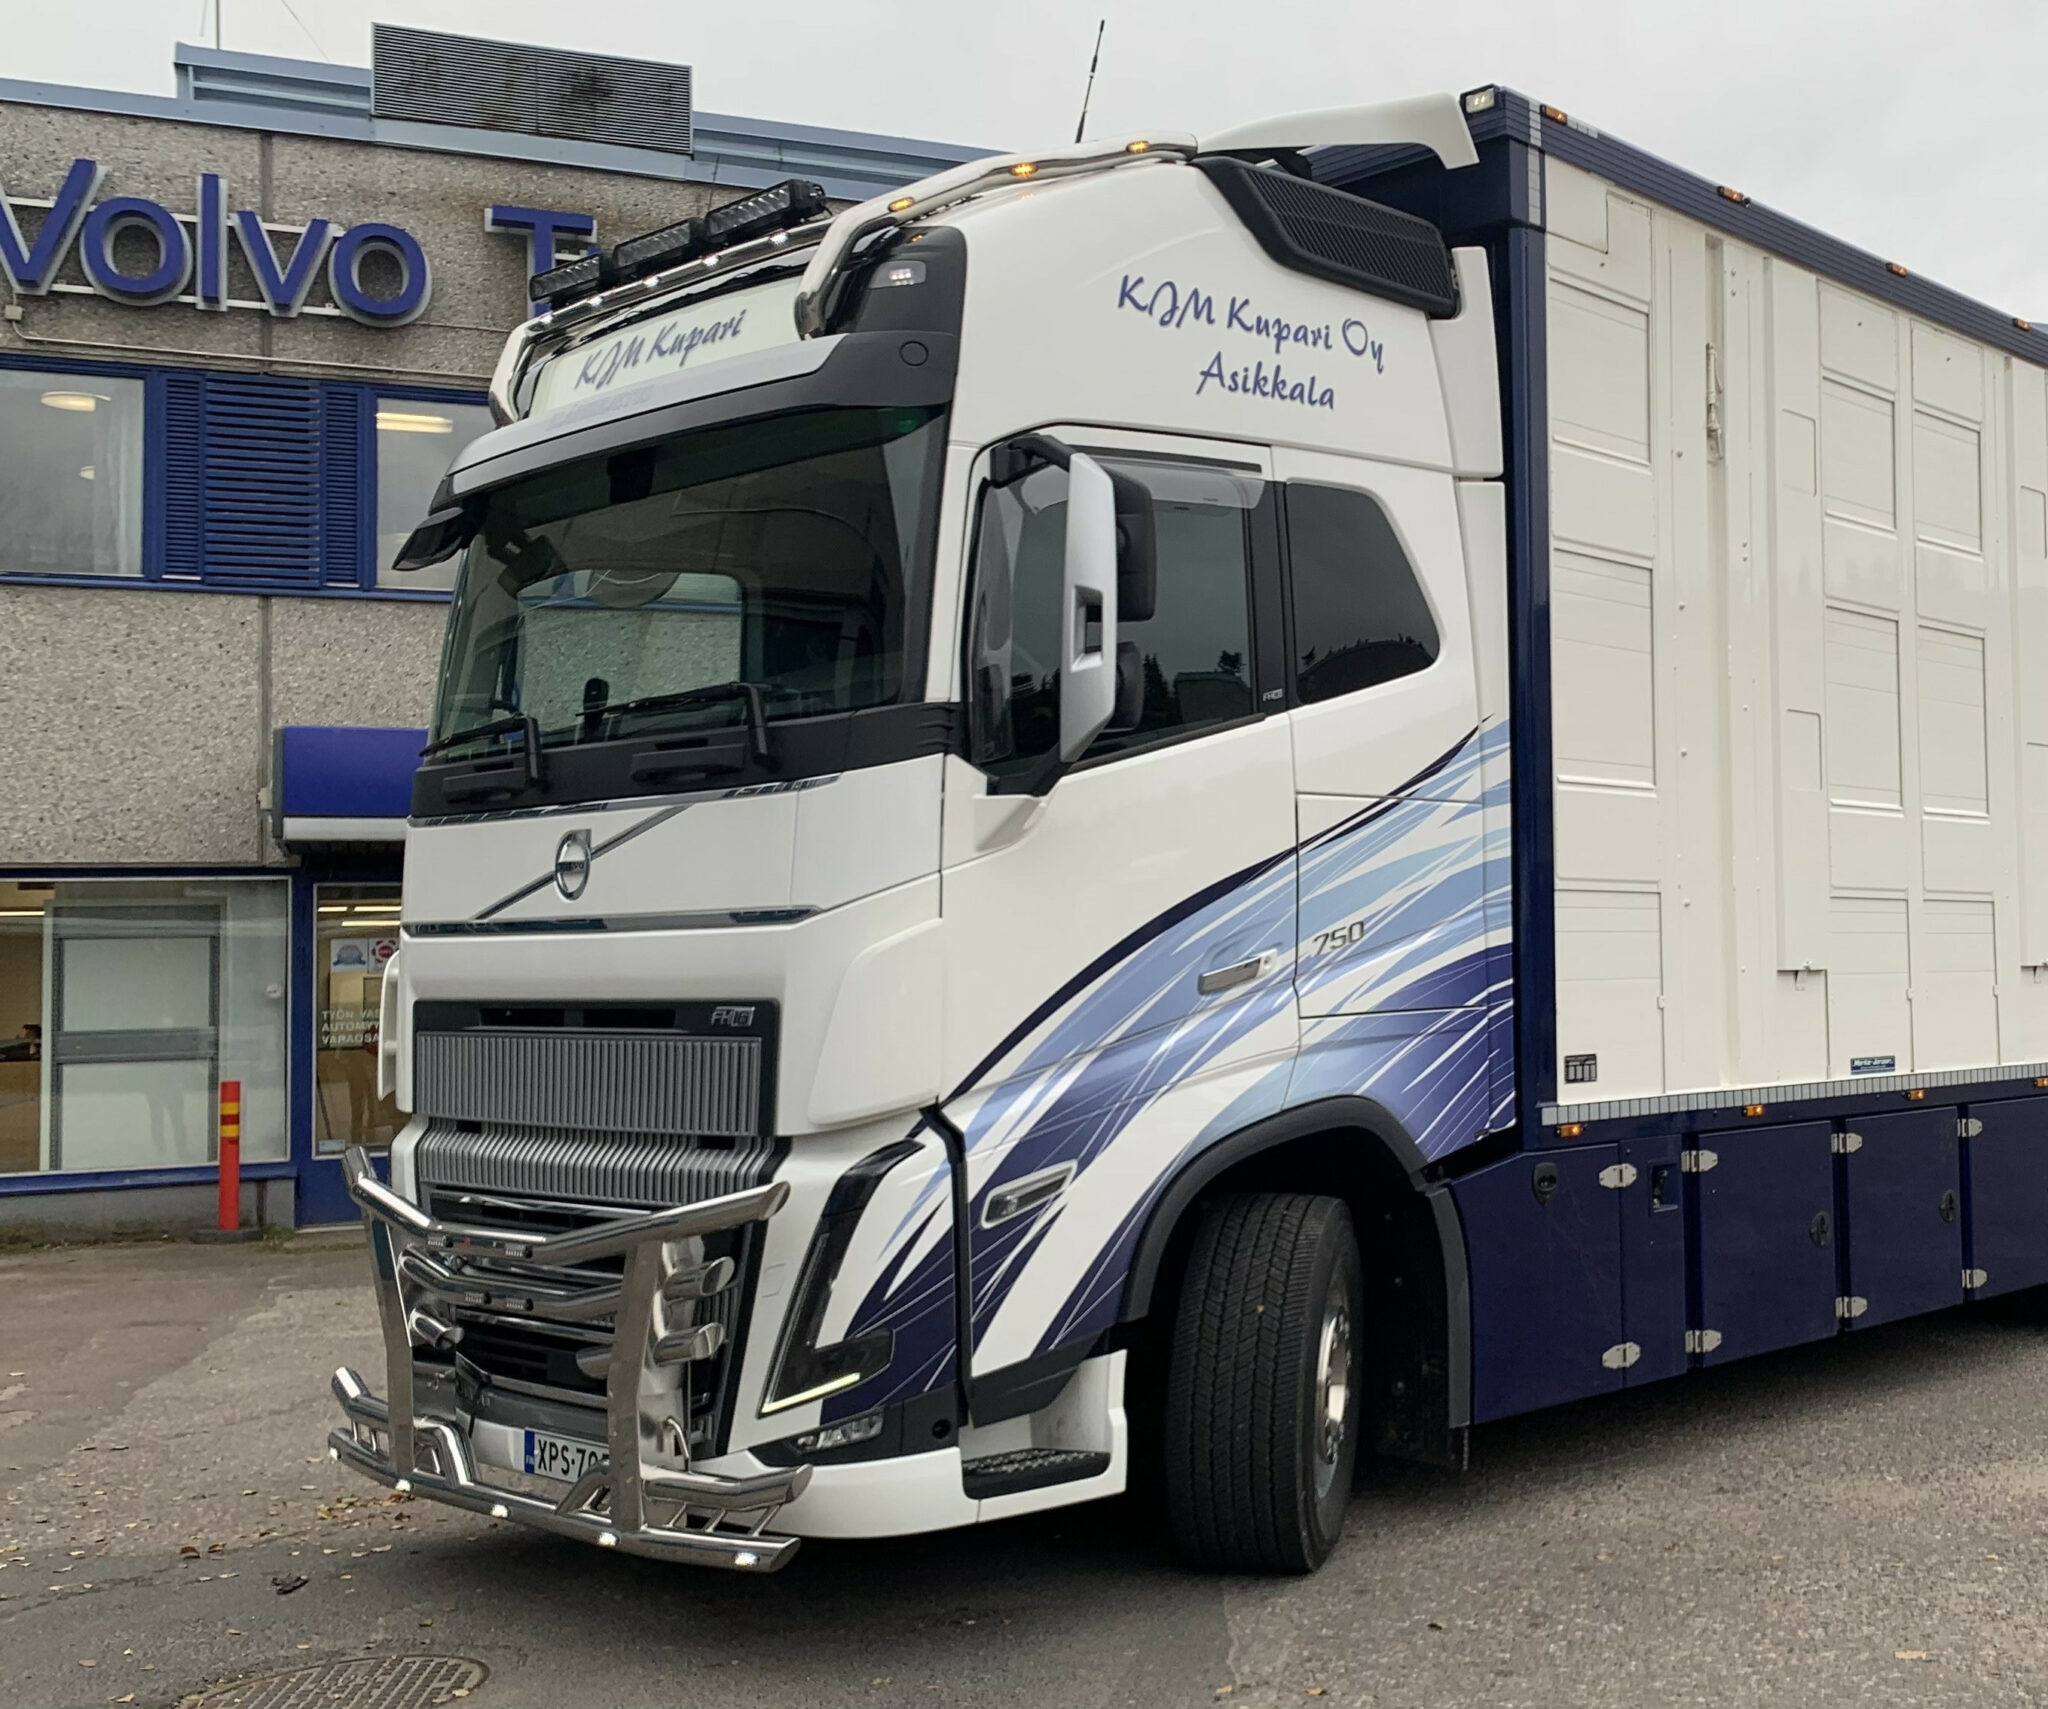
1910	1655
286	1583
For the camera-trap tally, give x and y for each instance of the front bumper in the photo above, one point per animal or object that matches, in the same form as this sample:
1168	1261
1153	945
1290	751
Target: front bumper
645	1498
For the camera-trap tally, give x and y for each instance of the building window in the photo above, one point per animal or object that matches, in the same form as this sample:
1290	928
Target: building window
70	474
357	934
123	1005
416	443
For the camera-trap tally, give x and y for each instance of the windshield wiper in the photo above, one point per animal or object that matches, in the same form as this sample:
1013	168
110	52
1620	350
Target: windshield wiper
524	722
749	694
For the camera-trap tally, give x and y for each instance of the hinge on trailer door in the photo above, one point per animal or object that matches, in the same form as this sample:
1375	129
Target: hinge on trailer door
1975	1278
1968	1127
1697	1162
1846	1144
1618	1175
1702	1340
1621	1355
1714	397
1850	1305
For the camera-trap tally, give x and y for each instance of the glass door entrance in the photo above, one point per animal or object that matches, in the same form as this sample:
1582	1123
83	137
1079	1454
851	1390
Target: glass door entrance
134	1048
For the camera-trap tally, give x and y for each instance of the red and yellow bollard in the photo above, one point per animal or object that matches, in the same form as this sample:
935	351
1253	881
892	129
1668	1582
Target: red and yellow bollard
230	1155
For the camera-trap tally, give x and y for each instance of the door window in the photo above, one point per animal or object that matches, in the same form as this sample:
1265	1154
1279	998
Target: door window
1360	617
1195	651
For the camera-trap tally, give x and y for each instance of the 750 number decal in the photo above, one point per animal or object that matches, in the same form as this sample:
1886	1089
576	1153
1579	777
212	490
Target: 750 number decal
1338	937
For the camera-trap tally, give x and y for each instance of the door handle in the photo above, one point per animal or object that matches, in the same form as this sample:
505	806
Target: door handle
1236	974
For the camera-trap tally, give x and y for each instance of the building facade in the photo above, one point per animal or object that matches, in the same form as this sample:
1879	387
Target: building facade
243	332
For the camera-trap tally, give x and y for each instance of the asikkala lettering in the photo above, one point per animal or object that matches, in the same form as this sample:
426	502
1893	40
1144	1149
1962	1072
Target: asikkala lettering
1256	380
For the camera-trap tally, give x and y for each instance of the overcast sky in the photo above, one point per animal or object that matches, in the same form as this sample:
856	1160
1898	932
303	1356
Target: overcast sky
1909	127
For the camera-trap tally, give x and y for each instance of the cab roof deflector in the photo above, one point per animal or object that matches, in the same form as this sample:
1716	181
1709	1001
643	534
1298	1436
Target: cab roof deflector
1434	122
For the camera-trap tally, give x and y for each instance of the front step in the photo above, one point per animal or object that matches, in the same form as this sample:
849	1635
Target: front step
1029	1468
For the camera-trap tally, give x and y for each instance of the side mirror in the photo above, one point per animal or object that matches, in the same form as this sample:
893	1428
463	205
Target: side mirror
1088	608
1137	552
436	540
1130	689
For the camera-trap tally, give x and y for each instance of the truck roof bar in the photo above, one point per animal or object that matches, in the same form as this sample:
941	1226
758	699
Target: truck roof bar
862	221
1435	122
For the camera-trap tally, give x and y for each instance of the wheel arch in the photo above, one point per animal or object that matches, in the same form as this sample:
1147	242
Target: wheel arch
1356	1149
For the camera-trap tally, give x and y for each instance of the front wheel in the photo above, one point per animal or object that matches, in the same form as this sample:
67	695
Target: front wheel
1263	1392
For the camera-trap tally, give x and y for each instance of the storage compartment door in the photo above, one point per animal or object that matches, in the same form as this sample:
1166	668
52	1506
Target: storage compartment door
1543	1248
1766	1238
2008	1174
1905	1223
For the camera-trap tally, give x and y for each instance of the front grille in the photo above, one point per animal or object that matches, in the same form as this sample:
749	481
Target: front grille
592	1081
554	1182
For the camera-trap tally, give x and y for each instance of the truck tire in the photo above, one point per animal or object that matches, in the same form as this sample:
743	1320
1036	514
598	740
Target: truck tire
1263	1389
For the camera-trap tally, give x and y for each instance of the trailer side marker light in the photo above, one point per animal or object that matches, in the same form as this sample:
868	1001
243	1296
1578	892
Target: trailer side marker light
1138	147
1894	268
1570	1130
1024	169
900	203
1752	1109
1916	1095
2041	1080
1735	196
1556	115
2023	325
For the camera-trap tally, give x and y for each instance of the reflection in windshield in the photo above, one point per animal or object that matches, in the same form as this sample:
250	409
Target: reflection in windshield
779	553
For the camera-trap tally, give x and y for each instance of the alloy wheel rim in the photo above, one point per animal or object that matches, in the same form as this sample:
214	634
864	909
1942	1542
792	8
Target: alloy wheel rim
1333	1389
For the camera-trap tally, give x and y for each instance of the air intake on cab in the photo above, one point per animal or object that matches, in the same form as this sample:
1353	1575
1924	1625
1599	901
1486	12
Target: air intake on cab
1334	235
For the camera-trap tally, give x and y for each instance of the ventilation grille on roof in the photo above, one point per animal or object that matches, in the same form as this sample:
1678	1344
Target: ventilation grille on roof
498	86
1338	236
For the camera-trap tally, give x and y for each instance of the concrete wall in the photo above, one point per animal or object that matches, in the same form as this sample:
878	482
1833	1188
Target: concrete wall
135	722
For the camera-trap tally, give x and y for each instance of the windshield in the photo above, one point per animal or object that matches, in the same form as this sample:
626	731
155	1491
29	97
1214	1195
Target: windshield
781	553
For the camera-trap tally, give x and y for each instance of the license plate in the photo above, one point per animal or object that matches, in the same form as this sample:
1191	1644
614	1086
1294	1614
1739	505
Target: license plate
561	1456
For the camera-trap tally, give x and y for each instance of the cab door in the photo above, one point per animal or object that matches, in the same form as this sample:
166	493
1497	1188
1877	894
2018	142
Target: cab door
1119	949
1403	972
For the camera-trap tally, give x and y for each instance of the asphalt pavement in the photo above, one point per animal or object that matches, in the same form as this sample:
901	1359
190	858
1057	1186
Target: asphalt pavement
1859	1522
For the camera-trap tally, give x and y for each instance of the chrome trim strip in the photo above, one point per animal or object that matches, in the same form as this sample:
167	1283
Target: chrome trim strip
1732	1099
554	809
710	919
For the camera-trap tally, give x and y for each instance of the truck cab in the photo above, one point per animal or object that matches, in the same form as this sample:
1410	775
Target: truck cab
963	860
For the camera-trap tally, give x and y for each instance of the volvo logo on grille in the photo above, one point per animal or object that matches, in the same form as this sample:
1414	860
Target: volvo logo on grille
572	864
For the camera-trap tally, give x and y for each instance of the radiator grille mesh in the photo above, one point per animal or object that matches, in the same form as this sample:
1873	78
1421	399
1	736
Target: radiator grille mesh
592	1082
595	1168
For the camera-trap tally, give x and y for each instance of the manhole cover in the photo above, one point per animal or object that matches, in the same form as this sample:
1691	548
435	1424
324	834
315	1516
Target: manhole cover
375	1682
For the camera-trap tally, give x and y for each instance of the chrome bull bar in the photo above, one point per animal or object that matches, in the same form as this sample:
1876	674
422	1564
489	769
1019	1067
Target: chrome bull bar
646	1499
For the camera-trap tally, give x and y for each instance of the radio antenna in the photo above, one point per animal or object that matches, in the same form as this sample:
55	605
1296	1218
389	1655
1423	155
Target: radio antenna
1088	94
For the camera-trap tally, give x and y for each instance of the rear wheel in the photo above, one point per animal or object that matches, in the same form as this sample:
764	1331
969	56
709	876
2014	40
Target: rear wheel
1263	1391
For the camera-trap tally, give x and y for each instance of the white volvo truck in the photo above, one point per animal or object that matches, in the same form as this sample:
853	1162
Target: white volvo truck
1206	805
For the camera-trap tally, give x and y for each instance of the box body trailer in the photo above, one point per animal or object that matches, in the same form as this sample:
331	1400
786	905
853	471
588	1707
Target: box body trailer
1211	804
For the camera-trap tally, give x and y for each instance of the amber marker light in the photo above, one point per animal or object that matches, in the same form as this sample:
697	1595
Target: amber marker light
901	202
1570	1130
1735	196
1752	1109
1556	115
1024	169
1917	1095
1138	147
1893	267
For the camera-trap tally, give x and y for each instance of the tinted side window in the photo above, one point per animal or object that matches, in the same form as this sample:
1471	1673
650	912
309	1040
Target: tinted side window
1195	651
1359	614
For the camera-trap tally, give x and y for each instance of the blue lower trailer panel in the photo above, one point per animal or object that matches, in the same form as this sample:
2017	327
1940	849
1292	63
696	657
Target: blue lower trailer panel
2008	1194
1902	1199
1764	1216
